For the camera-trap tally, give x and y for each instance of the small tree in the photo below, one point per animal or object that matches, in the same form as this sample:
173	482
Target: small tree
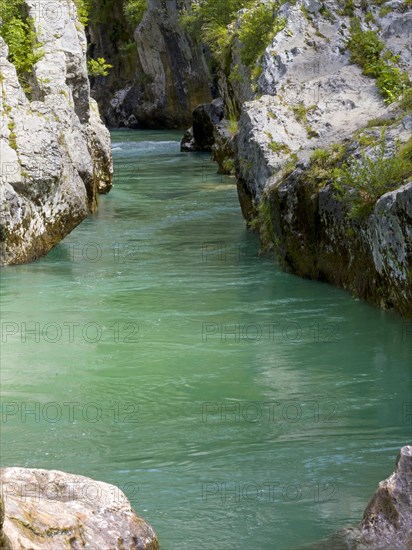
98	67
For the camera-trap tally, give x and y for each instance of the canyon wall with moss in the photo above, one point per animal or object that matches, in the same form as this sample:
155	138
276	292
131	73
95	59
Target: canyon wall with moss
159	71
55	151
317	131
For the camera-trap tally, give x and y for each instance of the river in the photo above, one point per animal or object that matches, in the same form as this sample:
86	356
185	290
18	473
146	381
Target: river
238	407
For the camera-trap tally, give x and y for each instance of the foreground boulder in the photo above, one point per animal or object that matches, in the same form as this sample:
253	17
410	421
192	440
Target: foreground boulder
50	509
55	151
387	520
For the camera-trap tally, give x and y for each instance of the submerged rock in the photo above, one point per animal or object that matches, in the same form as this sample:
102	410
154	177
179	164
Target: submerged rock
55	151
50	509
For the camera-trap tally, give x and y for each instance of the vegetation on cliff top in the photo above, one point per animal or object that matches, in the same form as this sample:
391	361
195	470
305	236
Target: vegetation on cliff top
120	28
361	182
368	51
218	23
101	10
18	32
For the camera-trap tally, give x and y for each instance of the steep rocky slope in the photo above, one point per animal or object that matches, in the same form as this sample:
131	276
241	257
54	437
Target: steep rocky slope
163	76
55	151
312	110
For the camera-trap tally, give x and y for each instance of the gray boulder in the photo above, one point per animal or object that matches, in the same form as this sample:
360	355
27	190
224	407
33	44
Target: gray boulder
46	510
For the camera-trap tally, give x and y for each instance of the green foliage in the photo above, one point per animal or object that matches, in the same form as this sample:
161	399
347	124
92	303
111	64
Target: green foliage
348	8
278	147
326	13
290	164
360	183
12	135
83	8
373	122
406	101
323	162
18	33
213	21
208	20
257	30
233	126
263	222
134	11
384	11
367	51
228	166
98	67
301	112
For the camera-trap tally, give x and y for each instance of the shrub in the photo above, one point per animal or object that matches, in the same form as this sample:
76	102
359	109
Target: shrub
367	51
278	147
258	28
360	183
18	32
83	8
134	11
233	126
323	162
98	67
213	22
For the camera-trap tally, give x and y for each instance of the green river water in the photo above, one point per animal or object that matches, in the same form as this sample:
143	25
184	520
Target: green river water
237	406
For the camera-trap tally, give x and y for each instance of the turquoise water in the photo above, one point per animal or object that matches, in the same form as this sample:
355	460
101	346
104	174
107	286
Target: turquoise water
237	406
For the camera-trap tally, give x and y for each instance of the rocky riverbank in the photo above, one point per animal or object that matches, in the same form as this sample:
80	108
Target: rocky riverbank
55	151
320	143
44	509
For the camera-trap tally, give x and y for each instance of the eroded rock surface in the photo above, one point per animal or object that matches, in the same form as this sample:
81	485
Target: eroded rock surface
310	96
55	151
46	510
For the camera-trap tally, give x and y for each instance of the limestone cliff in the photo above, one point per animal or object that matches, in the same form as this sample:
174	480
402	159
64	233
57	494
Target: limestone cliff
314	104
55	151
161	79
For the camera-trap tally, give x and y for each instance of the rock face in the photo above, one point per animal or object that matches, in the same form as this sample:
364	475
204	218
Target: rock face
171	76
310	96
200	137
55	151
387	520
312	234
50	509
